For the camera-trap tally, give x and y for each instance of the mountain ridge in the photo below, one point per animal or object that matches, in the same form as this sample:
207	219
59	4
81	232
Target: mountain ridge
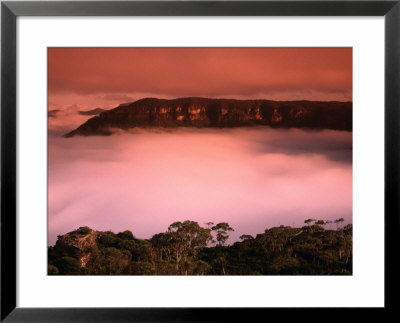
219	113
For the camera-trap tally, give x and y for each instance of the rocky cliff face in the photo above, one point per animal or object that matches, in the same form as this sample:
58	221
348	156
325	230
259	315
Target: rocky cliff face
203	112
77	242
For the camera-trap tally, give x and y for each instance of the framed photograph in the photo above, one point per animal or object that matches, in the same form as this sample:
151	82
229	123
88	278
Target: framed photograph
162	159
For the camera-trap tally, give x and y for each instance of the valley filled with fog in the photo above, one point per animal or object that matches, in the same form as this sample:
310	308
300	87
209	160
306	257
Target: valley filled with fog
253	178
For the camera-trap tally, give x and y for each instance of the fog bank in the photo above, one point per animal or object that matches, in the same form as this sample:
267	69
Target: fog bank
253	178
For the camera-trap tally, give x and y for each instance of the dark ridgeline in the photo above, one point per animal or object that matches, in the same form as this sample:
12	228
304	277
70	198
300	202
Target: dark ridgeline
189	249
220	113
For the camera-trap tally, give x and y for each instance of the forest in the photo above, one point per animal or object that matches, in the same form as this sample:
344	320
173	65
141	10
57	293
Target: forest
187	248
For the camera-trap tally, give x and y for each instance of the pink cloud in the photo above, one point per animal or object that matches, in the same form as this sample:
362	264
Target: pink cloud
145	180
274	73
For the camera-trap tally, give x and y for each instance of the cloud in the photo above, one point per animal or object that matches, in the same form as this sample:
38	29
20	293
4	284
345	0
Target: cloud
117	73
143	181
68	117
118	97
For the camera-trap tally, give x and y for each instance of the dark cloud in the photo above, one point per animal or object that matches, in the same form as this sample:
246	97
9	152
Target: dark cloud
334	145
93	112
53	113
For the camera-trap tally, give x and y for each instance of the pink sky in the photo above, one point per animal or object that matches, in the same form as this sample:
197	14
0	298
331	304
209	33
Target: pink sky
106	77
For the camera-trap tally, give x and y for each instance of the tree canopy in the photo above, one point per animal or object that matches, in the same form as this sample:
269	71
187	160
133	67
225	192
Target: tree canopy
187	248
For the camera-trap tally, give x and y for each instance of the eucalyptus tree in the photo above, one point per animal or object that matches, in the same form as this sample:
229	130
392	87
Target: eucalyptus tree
245	237
309	221
222	230
338	223
186	238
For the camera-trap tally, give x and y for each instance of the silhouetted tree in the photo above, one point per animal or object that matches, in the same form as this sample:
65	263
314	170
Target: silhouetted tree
221	230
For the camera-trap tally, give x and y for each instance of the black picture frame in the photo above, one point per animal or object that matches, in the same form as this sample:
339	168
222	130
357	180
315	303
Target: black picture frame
10	10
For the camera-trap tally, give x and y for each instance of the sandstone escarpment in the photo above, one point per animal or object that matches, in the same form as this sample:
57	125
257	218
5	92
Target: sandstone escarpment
203	112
